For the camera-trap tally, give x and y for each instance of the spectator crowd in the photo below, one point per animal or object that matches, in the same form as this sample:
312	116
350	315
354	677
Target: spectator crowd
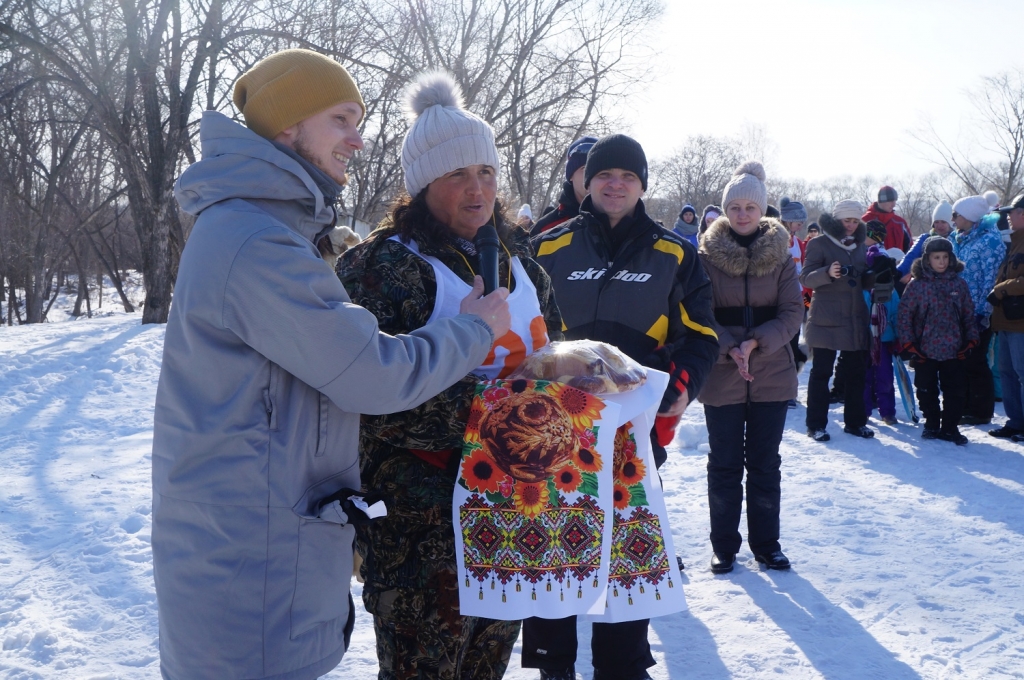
294	396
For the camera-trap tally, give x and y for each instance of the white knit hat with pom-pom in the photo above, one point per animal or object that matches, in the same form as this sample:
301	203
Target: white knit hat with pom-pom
746	183
443	136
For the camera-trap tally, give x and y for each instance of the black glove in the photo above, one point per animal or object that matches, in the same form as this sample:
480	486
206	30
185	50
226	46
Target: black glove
912	354
967	351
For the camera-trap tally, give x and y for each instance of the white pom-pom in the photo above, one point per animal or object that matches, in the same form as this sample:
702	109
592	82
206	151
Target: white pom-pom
783	202
436	88
992	198
751	168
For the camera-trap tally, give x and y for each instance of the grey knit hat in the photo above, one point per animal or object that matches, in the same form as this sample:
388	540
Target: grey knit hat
792	211
747	182
848	208
443	135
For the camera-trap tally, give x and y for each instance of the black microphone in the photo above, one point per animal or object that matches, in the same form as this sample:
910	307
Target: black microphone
486	242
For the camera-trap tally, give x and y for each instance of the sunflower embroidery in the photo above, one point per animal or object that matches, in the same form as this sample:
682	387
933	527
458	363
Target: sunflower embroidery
631	472
580	406
481	474
629	469
473	424
587	460
567	478
621	496
530	499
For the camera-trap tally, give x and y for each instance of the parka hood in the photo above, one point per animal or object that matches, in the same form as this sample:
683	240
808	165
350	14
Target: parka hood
239	164
767	252
920	270
830	226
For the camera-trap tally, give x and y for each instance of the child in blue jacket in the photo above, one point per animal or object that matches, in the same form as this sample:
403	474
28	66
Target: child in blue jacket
883	303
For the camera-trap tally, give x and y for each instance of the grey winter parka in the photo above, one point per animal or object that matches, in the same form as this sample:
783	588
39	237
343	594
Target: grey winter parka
266	368
838	318
762	276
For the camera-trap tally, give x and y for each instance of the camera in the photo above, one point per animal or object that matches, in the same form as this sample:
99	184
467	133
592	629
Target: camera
846	270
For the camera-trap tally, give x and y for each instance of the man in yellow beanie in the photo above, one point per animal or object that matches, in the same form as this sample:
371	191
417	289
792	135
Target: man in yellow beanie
306	102
267	365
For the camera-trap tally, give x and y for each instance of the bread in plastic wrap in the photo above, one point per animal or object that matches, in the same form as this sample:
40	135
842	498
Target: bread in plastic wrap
594	367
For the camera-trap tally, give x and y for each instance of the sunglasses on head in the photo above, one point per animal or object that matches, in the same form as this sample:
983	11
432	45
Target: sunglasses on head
956	215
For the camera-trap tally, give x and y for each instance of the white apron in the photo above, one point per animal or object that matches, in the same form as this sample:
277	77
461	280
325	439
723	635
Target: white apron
528	333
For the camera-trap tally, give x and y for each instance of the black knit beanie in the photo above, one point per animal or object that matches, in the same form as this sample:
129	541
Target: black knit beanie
616	151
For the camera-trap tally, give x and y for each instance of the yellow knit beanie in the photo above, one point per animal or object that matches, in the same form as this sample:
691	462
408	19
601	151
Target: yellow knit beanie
290	86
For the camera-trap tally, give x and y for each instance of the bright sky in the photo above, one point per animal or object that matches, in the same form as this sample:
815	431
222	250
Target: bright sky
835	83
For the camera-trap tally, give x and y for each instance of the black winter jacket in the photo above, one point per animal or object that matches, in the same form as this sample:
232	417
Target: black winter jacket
568	208
650	297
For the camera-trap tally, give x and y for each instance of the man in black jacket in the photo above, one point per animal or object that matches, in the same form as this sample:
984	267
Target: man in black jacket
620	278
573	189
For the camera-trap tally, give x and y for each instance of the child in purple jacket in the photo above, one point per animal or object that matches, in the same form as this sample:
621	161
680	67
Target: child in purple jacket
937	331
883	307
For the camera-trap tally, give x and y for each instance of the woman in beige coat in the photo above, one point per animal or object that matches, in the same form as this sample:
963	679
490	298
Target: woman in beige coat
758	309
838	318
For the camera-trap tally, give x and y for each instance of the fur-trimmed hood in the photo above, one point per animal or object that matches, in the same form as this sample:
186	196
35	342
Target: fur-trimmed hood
834	228
766	253
920	270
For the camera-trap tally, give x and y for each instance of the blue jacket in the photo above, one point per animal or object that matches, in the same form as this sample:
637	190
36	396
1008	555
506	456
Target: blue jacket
687	231
266	368
981	250
915	252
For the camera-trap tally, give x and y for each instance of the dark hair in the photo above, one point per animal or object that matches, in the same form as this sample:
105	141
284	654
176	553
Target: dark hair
410	218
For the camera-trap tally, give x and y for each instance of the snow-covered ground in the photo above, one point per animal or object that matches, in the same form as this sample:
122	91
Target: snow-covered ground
908	556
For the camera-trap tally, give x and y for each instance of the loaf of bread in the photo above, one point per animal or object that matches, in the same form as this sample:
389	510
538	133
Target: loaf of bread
594	367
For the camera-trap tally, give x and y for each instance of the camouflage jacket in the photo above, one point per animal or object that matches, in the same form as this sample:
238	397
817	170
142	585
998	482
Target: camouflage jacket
399	287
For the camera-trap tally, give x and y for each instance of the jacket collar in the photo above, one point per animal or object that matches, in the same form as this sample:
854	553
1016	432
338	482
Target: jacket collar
239	164
768	251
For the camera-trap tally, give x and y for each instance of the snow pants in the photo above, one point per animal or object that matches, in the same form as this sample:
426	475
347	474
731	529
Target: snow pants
879	387
948	378
745	436
851	367
619	650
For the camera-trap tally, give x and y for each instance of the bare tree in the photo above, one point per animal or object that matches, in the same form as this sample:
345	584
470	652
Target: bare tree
138	65
991	156
537	70
696	173
39	134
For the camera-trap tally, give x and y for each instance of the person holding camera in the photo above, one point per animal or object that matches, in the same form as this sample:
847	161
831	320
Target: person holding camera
1007	299
938	332
838	319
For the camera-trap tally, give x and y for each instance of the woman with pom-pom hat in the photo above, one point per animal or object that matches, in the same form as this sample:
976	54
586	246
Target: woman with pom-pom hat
411	271
758	309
